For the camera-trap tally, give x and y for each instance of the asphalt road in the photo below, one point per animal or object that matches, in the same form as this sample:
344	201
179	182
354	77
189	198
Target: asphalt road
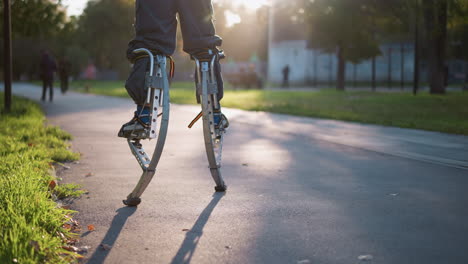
301	190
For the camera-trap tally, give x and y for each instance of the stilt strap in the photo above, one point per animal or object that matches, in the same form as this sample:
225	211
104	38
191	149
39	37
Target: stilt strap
171	63
195	120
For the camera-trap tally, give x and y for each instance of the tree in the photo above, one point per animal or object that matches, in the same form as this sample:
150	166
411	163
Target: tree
104	30
437	16
435	21
343	27
35	25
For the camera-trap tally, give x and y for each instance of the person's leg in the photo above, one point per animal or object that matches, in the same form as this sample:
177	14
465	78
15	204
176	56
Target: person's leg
196	22
44	87
198	31
155	29
65	83
51	87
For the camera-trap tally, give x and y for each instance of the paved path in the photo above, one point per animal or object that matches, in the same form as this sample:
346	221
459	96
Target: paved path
301	190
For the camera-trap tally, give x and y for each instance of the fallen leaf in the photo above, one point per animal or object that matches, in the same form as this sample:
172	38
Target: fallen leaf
67	226
185	229
31	144
365	257
245	164
90	227
89	174
66	207
70	248
71	241
105	247
52	185
228	247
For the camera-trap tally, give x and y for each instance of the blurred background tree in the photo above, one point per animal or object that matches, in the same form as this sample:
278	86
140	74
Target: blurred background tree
104	30
35	24
343	27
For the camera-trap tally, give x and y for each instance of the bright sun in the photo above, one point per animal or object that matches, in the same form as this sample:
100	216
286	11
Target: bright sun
233	18
249	4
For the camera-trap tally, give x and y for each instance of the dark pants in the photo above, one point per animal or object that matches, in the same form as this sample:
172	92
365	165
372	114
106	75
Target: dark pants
64	83
47	83
155	28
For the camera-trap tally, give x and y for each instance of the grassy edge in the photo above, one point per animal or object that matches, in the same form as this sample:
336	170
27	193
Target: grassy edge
34	229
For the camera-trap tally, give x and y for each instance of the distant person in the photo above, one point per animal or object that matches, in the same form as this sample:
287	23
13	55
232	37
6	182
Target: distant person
465	85
286	76
243	77
251	78
64	73
90	74
446	75
47	69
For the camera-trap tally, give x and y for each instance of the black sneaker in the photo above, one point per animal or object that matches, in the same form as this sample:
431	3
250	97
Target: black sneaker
136	128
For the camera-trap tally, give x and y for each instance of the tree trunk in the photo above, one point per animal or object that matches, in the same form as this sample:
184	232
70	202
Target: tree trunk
435	14
340	76
315	68
330	72
402	67
373	74
416	54
354	75
389	68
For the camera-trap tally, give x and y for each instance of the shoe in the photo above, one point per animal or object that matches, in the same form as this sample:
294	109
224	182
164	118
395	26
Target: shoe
138	127
220	120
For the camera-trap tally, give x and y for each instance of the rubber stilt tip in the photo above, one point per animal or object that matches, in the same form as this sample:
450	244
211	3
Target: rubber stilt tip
220	188
132	201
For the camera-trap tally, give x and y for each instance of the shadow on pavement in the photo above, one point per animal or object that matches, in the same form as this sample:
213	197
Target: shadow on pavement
112	234
186	250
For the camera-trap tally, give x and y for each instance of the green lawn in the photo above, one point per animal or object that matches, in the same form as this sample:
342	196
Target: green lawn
31	222
444	113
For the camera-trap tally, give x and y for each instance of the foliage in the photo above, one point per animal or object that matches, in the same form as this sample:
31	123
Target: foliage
458	30
104	30
42	24
68	190
31	221
36	18
342	23
345	27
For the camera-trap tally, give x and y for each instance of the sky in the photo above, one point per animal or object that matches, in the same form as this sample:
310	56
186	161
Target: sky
75	7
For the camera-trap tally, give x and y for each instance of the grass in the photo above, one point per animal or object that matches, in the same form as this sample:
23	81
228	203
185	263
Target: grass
31	222
445	113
